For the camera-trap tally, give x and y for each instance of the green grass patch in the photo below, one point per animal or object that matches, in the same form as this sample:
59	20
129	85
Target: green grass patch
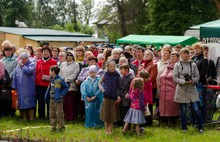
75	131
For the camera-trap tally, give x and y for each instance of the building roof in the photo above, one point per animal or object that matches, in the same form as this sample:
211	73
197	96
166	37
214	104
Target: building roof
63	38
39	32
49	35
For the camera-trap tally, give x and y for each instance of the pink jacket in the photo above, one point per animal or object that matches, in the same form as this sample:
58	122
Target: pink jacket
137	100
167	105
2	70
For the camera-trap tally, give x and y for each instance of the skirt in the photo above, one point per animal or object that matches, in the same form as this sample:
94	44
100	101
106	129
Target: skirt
135	117
109	111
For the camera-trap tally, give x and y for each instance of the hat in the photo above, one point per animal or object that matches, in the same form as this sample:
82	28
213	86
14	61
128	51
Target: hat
92	68
23	55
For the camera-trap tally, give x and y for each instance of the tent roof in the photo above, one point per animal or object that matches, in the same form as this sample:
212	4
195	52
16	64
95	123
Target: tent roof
157	40
206	24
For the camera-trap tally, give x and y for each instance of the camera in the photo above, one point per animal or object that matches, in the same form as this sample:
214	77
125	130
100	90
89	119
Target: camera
187	77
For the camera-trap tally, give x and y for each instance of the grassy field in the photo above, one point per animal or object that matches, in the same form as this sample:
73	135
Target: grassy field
75	131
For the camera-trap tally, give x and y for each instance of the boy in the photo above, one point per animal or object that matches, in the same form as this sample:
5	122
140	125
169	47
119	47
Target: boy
55	92
122	90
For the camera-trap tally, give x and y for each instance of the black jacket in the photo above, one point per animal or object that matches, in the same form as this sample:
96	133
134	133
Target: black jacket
202	65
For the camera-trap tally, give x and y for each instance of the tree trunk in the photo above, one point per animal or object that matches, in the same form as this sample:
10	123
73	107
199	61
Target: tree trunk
120	5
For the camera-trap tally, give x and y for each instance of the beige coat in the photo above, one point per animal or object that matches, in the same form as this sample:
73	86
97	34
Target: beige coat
185	93
69	71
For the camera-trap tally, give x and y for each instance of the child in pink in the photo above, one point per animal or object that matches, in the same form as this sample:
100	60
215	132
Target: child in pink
135	114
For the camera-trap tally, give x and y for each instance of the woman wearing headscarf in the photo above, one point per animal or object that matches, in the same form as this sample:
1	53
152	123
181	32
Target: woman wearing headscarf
24	75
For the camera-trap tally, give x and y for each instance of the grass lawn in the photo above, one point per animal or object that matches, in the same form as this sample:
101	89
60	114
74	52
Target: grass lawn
75	131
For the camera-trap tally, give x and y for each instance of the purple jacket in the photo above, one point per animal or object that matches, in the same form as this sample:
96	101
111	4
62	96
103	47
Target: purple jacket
85	73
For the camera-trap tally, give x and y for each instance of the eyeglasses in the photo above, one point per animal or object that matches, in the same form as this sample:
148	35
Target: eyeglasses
69	55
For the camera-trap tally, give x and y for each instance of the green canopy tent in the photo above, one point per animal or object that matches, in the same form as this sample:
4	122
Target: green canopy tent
210	31
157	40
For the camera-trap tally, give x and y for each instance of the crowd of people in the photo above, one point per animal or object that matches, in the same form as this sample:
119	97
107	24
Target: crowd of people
109	86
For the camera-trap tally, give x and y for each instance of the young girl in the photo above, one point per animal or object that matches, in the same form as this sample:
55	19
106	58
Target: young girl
135	114
92	96
108	85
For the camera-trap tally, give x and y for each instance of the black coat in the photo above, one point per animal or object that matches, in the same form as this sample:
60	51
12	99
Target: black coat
202	65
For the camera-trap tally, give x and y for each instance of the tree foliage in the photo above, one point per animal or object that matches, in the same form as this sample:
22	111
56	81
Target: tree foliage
174	17
12	10
162	17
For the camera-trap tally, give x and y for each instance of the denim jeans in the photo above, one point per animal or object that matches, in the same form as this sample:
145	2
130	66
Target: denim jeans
195	110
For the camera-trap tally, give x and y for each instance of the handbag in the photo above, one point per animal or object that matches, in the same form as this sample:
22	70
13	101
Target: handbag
6	79
45	77
6	94
14	103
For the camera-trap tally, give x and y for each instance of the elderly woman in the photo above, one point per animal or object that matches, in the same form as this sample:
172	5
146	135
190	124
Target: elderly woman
161	66
151	67
69	71
80	53
43	79
55	53
122	61
24	75
62	58
10	64
168	108
116	52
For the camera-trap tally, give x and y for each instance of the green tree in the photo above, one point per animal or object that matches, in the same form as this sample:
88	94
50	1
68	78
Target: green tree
44	14
12	10
174	17
85	11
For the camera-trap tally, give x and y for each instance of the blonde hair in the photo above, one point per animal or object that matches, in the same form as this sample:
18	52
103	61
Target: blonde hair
6	44
197	45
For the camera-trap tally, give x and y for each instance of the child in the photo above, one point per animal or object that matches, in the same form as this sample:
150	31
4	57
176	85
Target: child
135	114
92	96
122	90
56	90
148	95
109	111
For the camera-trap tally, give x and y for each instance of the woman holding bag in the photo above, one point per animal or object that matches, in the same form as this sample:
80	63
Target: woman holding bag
43	79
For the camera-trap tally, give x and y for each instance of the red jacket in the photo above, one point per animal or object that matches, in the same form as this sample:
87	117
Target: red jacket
148	94
136	62
43	67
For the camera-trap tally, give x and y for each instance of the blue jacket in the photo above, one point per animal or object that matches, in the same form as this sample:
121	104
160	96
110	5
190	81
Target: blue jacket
60	89
90	89
24	82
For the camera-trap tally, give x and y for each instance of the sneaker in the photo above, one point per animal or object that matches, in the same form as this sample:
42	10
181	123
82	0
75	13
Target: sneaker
201	131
